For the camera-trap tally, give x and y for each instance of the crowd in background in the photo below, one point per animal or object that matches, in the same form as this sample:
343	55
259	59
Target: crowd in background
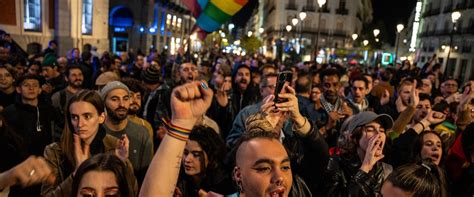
347	129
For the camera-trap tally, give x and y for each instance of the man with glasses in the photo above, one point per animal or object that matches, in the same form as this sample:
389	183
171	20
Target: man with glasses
267	87
449	87
358	169
187	72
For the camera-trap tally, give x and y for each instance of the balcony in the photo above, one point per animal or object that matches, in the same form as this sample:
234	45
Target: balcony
448	8
342	11
291	6
309	8
325	9
340	33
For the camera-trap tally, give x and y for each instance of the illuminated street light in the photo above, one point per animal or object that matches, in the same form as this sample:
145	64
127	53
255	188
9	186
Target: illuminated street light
365	42
249	33
302	15
260	30
400	28
294	21
288	28
354	36
377	40
376	32
320	4
454	18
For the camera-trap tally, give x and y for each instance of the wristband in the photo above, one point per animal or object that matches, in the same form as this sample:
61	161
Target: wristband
421	123
176	131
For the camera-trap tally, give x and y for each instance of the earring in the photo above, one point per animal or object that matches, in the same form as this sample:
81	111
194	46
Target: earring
239	184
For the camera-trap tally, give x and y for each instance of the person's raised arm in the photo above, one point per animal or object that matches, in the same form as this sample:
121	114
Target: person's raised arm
188	102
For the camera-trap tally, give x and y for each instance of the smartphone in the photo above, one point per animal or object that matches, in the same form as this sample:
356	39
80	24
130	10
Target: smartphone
283	77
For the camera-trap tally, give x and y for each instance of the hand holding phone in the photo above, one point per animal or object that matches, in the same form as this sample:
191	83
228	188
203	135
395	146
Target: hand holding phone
283	77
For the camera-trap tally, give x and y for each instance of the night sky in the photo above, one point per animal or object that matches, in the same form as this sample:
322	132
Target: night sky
387	14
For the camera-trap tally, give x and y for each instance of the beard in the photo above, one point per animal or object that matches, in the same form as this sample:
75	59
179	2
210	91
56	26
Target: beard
76	84
118	114
134	108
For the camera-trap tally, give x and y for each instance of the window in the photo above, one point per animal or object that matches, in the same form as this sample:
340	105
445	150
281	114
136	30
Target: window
87	17
342	4
32	20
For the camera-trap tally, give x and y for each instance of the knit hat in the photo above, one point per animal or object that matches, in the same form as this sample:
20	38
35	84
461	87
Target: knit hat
50	60
151	75
366	117
112	86
106	77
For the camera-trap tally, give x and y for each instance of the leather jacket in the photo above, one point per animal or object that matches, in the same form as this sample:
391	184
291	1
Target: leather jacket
344	178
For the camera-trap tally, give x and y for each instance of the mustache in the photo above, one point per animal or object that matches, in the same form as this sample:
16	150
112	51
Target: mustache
243	81
121	108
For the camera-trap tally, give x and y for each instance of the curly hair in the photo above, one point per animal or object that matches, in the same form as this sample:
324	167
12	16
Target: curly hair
212	145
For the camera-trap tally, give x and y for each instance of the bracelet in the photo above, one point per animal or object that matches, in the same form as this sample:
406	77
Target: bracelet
176	131
422	125
299	127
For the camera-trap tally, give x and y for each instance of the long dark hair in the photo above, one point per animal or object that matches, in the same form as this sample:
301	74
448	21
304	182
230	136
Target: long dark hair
67	141
418	145
213	146
106	162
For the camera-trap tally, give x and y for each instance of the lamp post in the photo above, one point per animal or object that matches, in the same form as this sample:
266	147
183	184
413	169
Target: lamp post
397	40
302	16
454	18
320	4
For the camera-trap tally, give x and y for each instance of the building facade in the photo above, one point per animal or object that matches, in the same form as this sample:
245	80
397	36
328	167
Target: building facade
150	24
73	23
437	36
336	21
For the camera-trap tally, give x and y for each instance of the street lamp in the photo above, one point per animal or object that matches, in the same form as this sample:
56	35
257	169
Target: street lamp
294	21
365	42
302	16
320	4
354	36
399	29
260	30
249	33
454	18
376	32
288	28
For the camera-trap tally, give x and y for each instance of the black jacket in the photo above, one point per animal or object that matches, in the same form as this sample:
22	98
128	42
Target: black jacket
344	178
23	118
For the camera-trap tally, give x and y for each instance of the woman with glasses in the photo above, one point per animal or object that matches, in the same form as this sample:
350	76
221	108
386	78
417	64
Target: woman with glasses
357	169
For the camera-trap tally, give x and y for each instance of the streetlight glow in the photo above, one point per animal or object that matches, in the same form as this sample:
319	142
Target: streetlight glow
249	33
294	21
321	3
365	42
376	32
302	15
260	30
354	36
400	28
455	16
288	28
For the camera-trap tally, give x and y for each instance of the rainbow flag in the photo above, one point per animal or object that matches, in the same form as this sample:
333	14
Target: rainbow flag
211	14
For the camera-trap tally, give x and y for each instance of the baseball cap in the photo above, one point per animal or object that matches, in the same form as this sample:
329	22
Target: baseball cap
366	117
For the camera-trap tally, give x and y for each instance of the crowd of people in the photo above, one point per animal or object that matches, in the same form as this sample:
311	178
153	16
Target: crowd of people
129	124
